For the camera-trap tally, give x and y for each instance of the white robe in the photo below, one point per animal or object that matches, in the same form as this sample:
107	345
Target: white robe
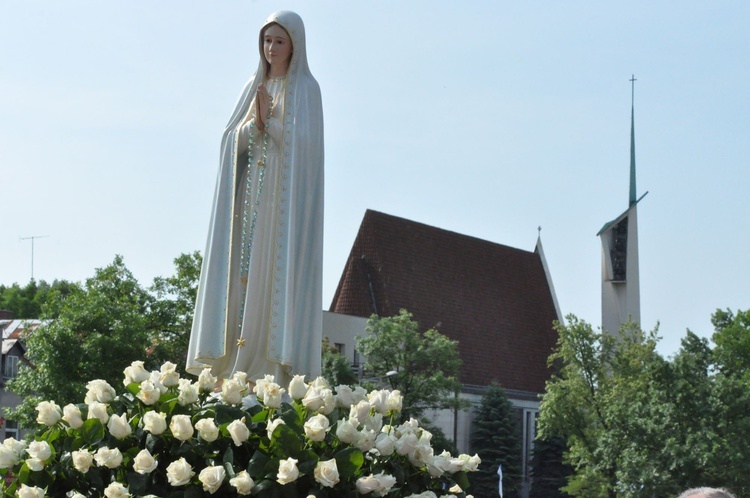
279	329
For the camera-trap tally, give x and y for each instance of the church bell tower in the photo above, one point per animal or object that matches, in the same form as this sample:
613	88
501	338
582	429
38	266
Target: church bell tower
621	298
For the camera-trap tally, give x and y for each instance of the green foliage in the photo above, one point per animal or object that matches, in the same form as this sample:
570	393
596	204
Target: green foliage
639	425
423	366
95	330
548	470
29	301
336	369
99	329
171	312
496	439
274	448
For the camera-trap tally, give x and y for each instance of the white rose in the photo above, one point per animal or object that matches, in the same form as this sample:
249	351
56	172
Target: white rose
149	393
155	379
16	446
169	376
367	484
40	450
378	400
98	410
99	390
110	458
344	396
272	393
10	452
455	489
119	427
359	394
155	422
385	443
49	413
82	460
316	428
207	429
320	383
238	431
358	413
365	440
74	494
8	457
241	377
260	385
135	373
313	399
188	392
206	381
144	462
439	464
212	477
374	422
116	490
30	492
242	482
346	431
470	463
327	473
385	483
179	472
35	464
406	444
421	455
181	427
394	401
288	471
272	425
72	415
329	402
231	392
411	426
298	387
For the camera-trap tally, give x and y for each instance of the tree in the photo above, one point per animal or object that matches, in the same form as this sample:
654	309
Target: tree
336	369
423	366
98	330
171	312
28	301
496	439
549	472
605	400
636	424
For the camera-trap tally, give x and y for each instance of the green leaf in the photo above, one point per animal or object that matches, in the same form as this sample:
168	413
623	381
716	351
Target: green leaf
307	461
256	467
138	483
92	431
349	461
286	442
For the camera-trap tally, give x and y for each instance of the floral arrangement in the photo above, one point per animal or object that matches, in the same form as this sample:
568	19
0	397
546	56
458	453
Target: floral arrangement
168	436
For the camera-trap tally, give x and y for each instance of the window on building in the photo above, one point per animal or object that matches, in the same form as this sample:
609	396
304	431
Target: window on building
528	436
11	429
11	366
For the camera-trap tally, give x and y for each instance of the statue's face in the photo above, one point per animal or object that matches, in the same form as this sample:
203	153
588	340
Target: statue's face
277	47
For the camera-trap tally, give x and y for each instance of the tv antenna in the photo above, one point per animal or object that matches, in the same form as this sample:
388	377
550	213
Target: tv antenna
32	238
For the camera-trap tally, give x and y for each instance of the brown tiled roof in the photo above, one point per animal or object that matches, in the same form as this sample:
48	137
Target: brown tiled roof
494	299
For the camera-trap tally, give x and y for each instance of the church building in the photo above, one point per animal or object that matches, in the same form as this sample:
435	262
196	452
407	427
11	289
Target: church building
497	301
621	297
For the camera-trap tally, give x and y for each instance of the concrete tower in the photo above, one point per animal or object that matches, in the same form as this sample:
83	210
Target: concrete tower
621	298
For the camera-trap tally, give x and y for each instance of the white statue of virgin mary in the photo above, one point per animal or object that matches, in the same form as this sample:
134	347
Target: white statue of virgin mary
259	302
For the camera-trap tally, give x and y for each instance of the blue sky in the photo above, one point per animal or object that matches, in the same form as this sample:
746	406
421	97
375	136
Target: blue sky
484	118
